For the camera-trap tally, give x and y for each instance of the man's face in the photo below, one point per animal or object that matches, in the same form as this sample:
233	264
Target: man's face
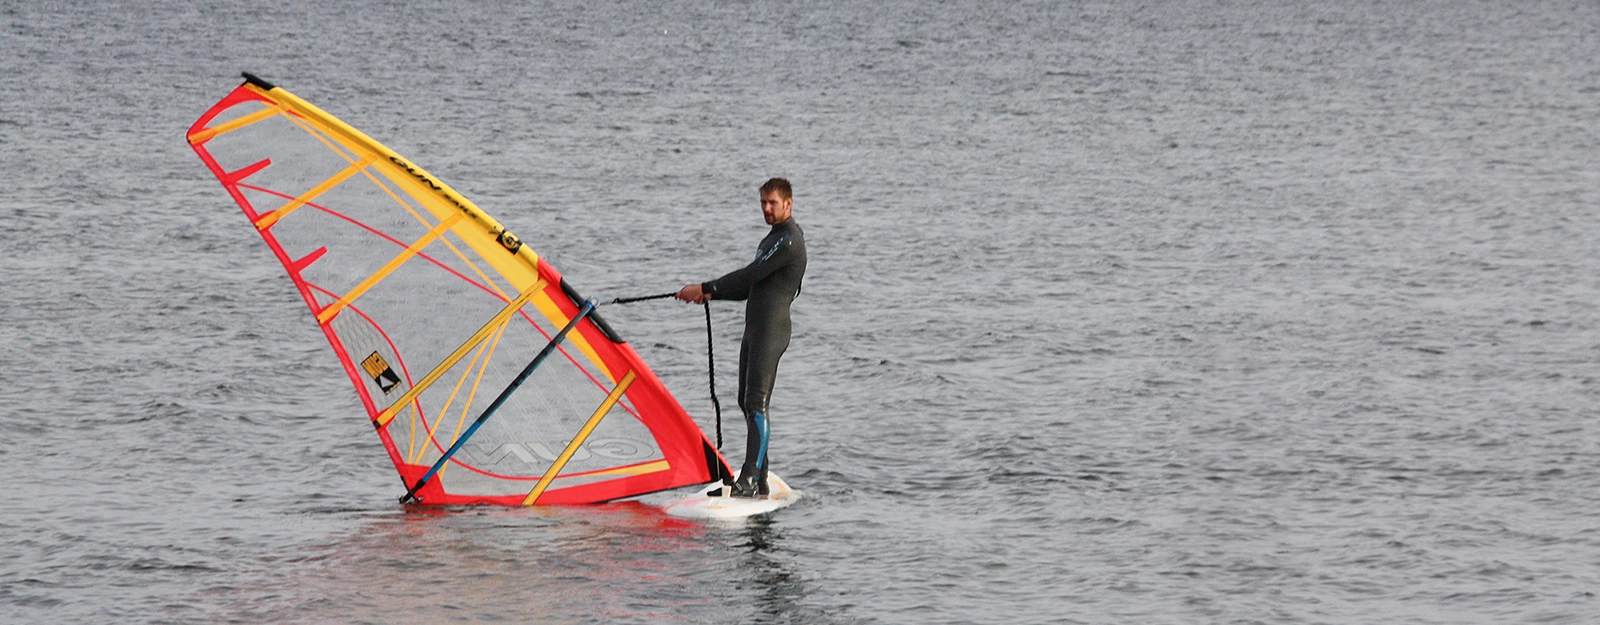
775	208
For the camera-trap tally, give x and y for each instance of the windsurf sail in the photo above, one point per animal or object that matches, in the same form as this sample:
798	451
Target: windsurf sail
433	308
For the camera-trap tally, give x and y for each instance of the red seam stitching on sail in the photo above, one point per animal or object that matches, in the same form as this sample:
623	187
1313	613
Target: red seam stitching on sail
401	360
580	366
375	326
301	285
392	349
238	96
563	476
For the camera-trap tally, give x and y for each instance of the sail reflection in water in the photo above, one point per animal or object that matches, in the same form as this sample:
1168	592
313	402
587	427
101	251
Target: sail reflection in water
625	562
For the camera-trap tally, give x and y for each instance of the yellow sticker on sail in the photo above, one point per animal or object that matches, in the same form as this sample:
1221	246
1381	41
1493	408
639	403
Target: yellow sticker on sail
381	373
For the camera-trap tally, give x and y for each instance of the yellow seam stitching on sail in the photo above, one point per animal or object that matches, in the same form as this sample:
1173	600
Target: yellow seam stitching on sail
415	454
326	138
577	440
411	448
450	361
208	133
393	264
455	391
448	243
473	394
268	219
343	134
322	136
659	465
475	269
487	281
409	209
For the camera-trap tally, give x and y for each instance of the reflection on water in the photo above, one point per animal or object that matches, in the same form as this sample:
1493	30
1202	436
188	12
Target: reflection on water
769	575
617	563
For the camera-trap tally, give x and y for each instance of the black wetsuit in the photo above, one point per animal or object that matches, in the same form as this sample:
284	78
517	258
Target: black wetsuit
769	284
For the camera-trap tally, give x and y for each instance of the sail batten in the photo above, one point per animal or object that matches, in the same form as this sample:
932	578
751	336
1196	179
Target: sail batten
386	270
404	274
206	134
275	216
577	441
472	342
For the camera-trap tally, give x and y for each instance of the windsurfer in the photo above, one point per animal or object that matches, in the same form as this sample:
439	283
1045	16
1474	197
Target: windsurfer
768	285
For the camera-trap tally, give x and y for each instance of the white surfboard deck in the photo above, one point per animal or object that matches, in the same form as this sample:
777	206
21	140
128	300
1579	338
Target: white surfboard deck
706	506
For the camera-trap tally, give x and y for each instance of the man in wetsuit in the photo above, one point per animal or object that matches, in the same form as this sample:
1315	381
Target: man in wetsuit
768	285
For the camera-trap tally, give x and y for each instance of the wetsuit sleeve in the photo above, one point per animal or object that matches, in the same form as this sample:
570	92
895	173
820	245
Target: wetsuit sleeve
736	285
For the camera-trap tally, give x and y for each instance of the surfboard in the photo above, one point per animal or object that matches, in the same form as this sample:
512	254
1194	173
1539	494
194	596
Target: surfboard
708	506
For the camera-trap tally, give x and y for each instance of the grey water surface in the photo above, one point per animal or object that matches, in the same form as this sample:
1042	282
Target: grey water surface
1249	311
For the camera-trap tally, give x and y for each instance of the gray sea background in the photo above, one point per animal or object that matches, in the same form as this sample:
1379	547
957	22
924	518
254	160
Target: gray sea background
1200	311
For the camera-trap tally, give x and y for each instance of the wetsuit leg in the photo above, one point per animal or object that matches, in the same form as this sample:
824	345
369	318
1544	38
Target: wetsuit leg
763	346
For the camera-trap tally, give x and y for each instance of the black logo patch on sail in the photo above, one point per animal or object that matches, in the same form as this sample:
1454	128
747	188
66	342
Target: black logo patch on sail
380	372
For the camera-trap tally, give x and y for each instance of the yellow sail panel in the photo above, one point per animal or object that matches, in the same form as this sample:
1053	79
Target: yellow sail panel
489	240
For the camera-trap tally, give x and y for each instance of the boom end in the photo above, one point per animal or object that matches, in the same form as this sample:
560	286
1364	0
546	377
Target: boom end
257	81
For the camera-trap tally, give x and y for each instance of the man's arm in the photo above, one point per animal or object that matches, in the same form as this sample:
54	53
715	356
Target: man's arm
697	294
736	285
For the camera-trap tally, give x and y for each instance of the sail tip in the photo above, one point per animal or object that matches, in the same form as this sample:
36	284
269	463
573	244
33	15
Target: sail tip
257	81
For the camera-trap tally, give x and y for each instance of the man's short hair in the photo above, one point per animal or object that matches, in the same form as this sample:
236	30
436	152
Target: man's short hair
781	185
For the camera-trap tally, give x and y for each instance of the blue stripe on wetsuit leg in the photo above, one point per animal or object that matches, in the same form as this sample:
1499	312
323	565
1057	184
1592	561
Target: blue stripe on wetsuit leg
761	427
